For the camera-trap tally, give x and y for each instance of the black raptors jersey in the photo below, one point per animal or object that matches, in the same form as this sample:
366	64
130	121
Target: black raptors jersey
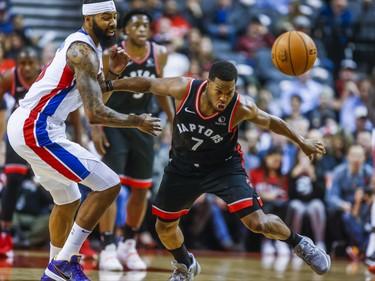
199	141
136	103
19	87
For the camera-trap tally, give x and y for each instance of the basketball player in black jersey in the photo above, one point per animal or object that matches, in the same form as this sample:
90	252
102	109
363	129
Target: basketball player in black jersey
130	152
206	158
16	82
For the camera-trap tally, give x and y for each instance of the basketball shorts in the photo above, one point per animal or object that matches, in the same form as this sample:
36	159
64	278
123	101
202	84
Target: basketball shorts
229	181
131	155
58	163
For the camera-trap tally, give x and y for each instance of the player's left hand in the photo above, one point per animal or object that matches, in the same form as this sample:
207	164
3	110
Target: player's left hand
118	59
312	147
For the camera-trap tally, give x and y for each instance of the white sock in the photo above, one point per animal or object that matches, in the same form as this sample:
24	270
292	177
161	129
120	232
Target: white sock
74	242
53	251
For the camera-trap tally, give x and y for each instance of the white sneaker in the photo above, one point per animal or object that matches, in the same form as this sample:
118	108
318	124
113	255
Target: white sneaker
267	247
128	255
282	248
108	259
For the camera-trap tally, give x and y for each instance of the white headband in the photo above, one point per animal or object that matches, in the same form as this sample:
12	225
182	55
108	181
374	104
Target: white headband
98	8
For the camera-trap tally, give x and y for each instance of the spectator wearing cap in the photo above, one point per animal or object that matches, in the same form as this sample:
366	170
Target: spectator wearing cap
362	123
344	82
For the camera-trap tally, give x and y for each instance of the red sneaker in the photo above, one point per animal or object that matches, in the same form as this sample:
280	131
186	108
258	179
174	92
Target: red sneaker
87	252
6	245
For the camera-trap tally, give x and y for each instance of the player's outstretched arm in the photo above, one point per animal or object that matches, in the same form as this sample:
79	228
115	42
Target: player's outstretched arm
174	86
249	111
82	59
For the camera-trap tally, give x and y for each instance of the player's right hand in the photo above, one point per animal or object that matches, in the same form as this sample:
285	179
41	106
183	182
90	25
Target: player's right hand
150	125
99	139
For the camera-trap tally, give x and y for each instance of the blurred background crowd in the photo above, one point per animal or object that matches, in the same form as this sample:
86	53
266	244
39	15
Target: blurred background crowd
328	199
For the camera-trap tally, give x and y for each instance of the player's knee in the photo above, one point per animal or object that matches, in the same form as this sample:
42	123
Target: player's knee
164	228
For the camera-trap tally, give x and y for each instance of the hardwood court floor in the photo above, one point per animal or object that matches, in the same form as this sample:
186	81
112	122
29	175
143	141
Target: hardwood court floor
216	266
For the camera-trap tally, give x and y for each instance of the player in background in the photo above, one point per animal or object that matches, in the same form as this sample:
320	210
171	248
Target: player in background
16	82
129	152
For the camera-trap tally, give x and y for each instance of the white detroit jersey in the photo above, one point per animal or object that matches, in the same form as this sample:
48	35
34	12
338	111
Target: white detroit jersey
36	131
54	93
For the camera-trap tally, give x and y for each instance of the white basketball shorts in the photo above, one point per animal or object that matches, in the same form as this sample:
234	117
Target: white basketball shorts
58	163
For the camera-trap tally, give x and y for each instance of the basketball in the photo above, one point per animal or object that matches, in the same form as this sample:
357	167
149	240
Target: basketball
294	53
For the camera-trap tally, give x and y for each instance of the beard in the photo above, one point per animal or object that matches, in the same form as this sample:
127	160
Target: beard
104	40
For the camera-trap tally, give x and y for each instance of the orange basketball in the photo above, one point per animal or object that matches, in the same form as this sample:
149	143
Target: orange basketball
294	53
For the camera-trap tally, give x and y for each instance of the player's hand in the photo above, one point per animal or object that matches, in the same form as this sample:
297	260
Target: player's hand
99	139
312	147
150	125
118	59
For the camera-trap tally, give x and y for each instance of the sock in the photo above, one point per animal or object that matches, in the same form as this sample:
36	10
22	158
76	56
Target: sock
293	239
53	251
107	238
129	232
74	242
181	255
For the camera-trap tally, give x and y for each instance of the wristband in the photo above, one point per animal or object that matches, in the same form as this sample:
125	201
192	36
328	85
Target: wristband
114	74
108	86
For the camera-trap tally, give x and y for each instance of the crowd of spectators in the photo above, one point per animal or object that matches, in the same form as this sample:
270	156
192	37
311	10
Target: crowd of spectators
326	199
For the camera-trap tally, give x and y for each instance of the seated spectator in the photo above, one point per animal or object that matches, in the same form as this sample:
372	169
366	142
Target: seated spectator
31	216
333	25
306	195
296	116
257	36
348	177
362	123
251	153
6	25
179	26
364	139
272	187
222	24
319	115
357	223
304	86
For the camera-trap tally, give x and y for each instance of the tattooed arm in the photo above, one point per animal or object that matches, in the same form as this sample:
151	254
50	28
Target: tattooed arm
82	59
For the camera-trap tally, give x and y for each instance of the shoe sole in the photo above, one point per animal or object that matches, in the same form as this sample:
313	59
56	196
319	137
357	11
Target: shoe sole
53	276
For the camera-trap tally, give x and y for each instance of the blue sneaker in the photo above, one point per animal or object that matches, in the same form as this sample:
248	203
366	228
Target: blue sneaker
62	270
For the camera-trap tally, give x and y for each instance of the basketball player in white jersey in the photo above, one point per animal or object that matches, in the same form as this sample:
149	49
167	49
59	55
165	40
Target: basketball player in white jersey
37	133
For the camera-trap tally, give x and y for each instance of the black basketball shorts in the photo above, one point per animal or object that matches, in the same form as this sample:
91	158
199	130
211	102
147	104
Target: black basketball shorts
228	181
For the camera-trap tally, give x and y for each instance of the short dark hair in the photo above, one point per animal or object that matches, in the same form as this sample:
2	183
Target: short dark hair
223	70
125	20
29	52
